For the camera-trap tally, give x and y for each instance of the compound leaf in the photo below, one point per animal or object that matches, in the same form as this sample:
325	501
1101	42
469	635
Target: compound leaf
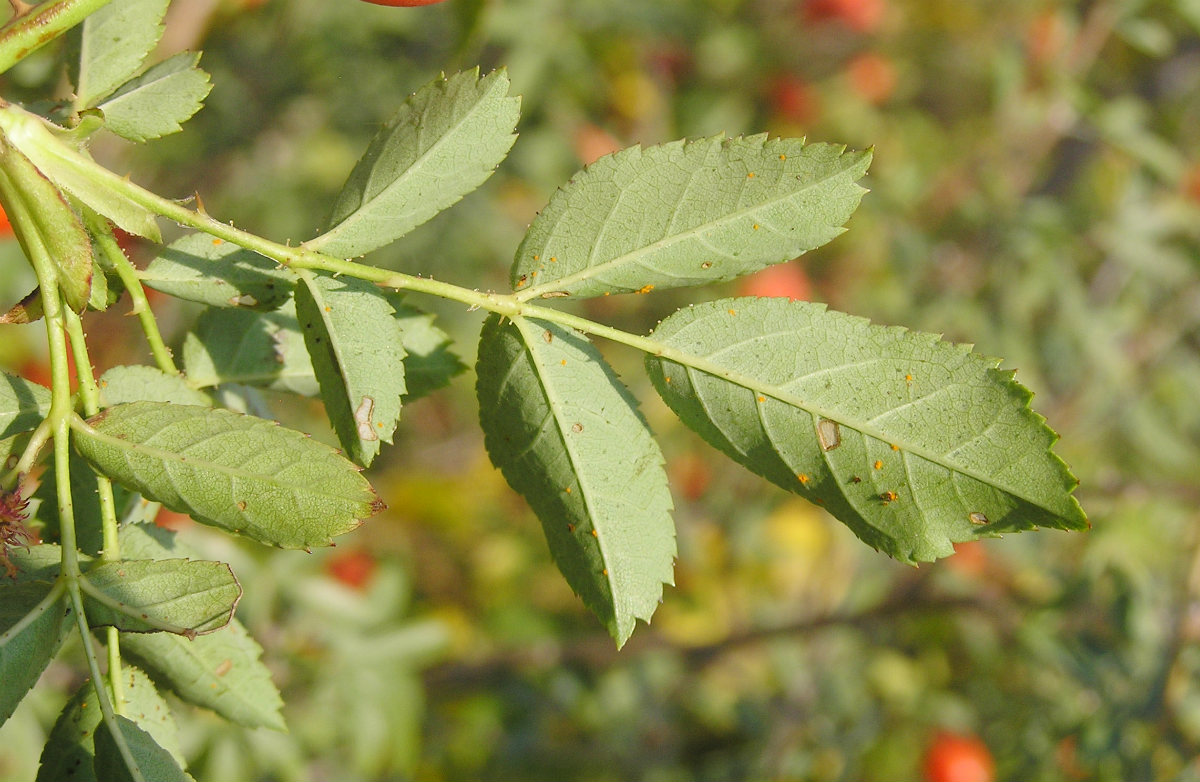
569	438
443	143
357	352
111	45
913	442
157	102
243	474
200	268
687	213
176	595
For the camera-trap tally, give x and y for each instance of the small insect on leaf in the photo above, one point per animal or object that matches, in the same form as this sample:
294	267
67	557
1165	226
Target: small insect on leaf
978	518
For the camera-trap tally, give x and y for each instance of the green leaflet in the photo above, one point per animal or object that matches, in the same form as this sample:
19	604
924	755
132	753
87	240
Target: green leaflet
267	349
219	671
70	749
687	213
154	762
110	46
443	143
158	102
913	442
34	621
569	438
428	364
175	595
220	274
23	404
243	474
263	349
141	383
46	224
357	353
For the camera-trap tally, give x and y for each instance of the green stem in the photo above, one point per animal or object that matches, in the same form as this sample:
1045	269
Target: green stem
89	396
26	34
115	258
61	413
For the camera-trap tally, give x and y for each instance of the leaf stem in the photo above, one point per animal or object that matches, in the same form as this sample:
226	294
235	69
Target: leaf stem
114	257
23	35
89	396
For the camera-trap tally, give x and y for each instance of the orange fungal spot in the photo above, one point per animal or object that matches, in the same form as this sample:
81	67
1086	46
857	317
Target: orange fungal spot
878	464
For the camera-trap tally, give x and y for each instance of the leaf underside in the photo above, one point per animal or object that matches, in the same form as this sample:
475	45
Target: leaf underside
157	102
687	213
913	442
200	268
569	438
357	353
243	474
71	746
110	45
443	143
221	671
23	404
34	621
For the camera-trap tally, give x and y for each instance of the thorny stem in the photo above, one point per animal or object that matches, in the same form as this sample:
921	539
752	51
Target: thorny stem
25	34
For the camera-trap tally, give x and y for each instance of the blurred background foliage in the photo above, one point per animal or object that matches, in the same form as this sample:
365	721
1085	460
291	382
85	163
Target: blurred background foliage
1035	191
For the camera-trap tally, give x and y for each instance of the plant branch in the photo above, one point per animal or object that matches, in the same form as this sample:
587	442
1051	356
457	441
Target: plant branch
24	35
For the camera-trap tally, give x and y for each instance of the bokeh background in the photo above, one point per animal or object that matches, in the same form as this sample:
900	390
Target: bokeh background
1035	191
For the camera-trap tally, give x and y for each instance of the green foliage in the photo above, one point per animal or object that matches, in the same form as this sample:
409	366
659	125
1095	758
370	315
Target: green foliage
237	472
442	144
687	214
914	442
568	436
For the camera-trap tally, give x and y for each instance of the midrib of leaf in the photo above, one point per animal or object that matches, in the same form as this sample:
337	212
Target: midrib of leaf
414	167
692	361
555	405
666	241
178	458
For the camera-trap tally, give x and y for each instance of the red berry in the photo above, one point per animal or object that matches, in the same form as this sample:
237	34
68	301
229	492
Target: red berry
403	3
872	76
794	100
353	568
954	758
5	225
